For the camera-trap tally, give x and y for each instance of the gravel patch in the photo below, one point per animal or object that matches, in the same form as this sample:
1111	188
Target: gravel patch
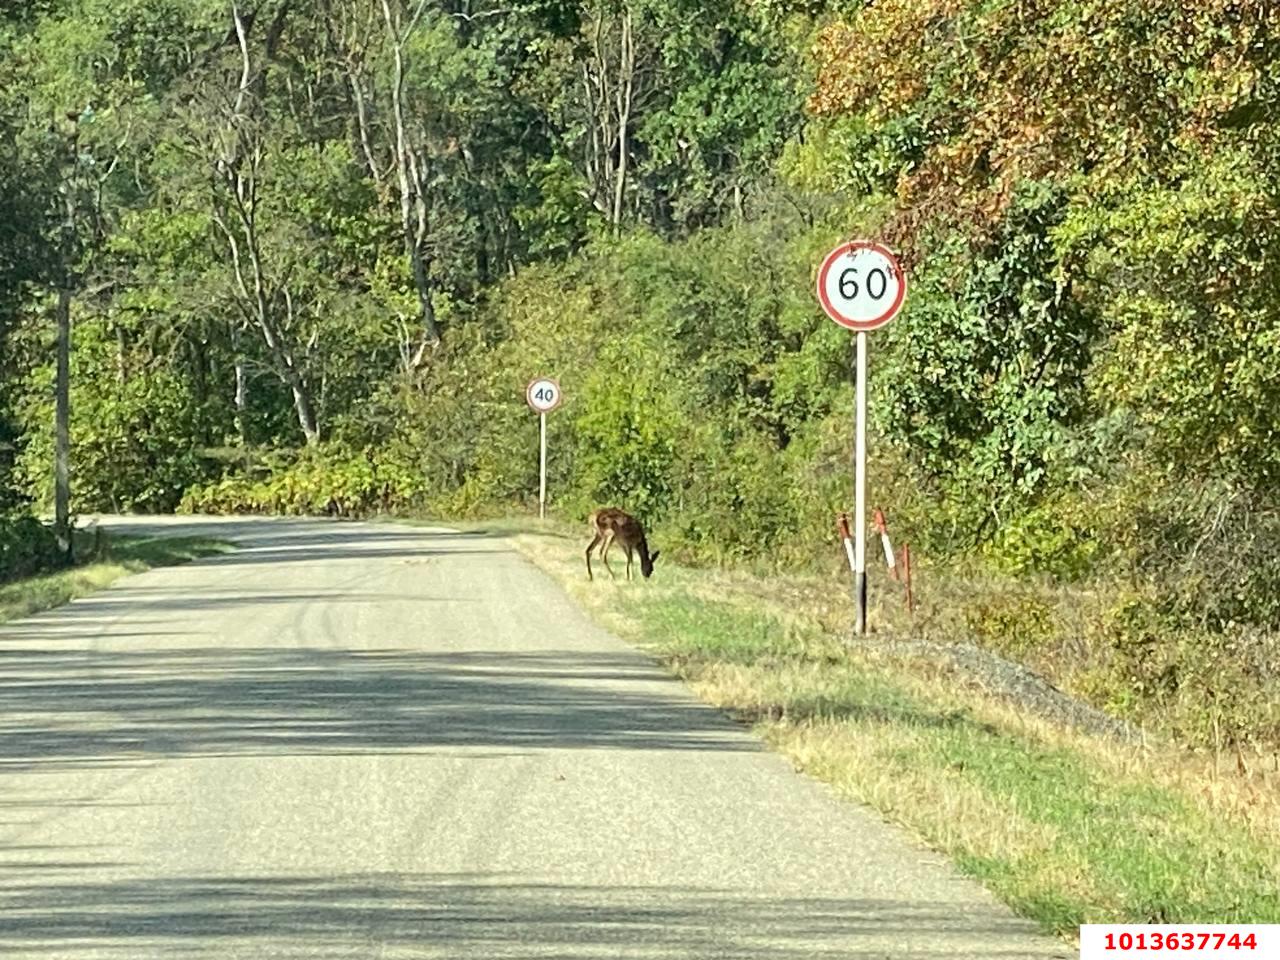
1012	682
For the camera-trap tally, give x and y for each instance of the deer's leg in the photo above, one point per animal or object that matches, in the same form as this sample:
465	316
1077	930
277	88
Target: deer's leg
604	555
629	552
591	547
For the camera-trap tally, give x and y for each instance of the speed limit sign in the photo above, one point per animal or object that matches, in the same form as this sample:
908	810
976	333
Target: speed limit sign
544	395
861	286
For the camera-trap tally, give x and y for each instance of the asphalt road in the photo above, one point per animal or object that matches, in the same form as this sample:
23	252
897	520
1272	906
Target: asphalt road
372	741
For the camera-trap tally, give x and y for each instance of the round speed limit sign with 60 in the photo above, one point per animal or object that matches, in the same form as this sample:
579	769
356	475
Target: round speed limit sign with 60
861	286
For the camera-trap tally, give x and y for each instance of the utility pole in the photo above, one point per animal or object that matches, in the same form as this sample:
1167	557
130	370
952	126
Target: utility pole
62	389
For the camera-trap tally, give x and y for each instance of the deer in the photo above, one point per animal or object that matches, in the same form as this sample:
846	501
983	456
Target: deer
609	524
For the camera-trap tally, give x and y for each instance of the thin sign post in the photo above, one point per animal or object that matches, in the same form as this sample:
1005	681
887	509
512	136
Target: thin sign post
543	396
861	287
542	467
860	487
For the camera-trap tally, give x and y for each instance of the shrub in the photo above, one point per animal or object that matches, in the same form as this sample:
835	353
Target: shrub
27	547
1011	621
328	481
1203	687
1051	538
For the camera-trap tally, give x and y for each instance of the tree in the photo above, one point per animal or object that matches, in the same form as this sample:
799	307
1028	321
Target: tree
21	239
78	123
412	167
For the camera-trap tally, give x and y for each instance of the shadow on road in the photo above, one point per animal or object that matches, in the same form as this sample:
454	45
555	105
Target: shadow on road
462	916
85	707
66	701
297	539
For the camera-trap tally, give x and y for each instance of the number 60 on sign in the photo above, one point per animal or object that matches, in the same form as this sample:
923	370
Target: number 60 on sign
861	286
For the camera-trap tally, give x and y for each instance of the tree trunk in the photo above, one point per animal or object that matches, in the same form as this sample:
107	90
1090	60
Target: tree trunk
625	94
239	171
122	355
362	126
259	309
306	414
242	389
411	181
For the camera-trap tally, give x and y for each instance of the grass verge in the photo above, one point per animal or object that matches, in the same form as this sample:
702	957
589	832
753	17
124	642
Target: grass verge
120	557
1066	828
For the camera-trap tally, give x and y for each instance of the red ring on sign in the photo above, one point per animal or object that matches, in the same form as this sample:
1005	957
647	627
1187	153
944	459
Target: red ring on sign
830	309
528	394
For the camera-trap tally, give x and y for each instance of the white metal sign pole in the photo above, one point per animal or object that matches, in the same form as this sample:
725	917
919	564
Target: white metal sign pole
542	486
860	494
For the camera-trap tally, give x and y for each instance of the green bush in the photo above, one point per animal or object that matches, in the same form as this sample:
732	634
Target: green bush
1014	622
1204	687
327	481
627	433
134	438
1053	538
27	547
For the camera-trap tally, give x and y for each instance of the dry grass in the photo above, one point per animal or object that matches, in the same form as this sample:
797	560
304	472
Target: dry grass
123	557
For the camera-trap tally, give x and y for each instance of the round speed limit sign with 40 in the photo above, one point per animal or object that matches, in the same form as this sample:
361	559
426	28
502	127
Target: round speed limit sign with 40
861	286
544	395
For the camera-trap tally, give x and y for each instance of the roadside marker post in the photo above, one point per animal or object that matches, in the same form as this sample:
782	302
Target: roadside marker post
842	525
861	287
906	576
543	396
882	528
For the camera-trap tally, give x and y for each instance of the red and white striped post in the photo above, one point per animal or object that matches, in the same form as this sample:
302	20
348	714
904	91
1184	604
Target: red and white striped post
857	568
906	576
842	526
882	528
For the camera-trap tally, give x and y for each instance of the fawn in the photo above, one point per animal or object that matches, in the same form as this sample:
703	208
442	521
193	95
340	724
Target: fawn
608	525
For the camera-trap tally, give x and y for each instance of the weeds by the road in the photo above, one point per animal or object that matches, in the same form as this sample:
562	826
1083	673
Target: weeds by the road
119	557
1065	827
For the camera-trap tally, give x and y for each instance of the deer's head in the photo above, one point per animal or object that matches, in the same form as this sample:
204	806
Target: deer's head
647	560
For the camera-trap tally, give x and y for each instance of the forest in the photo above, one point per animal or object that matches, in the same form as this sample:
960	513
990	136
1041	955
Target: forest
311	251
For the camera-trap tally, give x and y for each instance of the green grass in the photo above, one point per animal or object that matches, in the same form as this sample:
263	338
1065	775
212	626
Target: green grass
121	557
1138	851
1065	828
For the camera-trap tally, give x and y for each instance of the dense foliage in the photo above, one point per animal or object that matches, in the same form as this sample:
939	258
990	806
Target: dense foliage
27	547
317	247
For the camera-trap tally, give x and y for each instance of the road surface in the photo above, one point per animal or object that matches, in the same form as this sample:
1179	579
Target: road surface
375	741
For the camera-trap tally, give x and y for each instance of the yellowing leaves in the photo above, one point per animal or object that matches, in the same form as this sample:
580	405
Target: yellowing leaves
1041	88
